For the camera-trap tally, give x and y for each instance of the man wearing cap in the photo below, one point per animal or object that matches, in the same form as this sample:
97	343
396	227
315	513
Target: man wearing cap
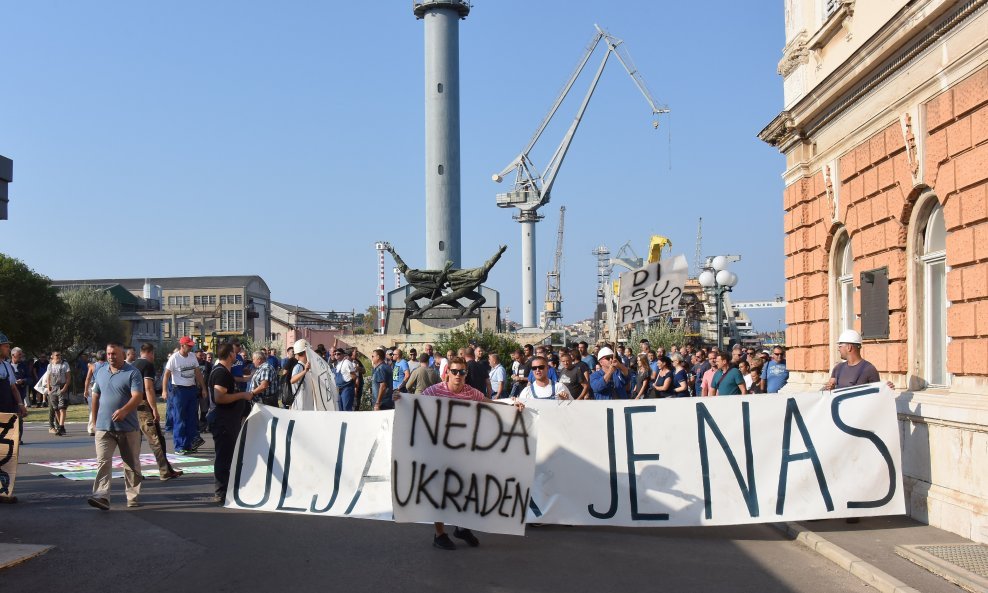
187	383
345	372
853	370
609	381
11	401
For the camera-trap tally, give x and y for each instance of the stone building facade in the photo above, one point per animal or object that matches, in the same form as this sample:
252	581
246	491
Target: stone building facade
885	134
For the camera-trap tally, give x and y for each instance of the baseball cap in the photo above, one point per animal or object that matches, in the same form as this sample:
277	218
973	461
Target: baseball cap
3	338
186	341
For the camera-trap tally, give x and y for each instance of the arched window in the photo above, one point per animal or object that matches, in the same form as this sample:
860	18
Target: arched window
844	274
933	275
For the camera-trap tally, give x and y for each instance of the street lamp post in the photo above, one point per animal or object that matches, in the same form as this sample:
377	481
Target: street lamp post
717	277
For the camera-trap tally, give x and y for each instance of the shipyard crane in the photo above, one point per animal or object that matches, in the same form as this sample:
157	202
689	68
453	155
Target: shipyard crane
553	314
533	189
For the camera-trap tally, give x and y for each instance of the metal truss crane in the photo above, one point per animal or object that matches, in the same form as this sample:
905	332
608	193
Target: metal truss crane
553	314
533	189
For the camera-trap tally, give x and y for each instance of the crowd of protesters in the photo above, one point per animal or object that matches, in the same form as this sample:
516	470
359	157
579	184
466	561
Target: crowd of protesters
207	391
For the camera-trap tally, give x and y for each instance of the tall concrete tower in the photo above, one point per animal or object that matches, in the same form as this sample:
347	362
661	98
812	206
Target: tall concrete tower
442	128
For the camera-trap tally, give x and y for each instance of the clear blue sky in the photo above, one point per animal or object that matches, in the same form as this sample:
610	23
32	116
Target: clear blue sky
283	139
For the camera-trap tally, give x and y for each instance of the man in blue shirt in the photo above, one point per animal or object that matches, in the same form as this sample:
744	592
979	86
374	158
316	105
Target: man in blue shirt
381	382
609	381
588	359
399	372
776	375
119	389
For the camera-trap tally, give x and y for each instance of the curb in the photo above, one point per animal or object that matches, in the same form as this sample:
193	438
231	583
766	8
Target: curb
14	554
866	572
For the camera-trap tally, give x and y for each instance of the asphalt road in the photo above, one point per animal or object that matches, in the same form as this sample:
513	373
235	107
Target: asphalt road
179	541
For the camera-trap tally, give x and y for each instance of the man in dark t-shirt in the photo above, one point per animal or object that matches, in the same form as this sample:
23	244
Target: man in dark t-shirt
854	370
574	376
227	406
478	375
147	414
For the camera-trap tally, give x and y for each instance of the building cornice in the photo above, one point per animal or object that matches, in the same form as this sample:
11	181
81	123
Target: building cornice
888	52
794	54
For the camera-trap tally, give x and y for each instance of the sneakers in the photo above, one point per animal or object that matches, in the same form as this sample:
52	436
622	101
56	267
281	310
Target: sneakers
220	500
102	504
198	443
467	536
182	451
443	542
61	431
52	430
133	504
171	476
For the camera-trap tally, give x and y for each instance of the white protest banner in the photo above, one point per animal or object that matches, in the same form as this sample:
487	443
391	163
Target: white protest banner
9	444
670	462
719	460
320	463
317	390
652	290
462	462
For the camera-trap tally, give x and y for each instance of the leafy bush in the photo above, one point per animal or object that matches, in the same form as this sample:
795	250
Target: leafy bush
493	343
660	335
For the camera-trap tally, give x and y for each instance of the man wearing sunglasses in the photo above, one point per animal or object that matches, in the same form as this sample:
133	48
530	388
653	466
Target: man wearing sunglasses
609	381
776	374
541	387
455	387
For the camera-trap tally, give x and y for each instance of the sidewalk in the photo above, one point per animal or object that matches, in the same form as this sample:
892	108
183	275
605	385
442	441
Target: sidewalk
868	551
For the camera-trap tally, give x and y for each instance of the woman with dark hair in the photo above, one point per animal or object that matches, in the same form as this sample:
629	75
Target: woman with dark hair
643	378
664	386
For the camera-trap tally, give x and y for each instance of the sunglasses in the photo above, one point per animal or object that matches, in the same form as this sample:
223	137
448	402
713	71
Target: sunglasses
540	367
458	372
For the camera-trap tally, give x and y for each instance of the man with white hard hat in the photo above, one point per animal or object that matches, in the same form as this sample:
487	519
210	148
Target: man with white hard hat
854	370
609	381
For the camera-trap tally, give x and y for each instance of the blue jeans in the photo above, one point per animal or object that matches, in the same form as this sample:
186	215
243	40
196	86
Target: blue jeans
347	394
169	409
185	415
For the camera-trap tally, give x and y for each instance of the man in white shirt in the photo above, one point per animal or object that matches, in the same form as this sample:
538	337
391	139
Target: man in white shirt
346	374
496	376
542	387
187	382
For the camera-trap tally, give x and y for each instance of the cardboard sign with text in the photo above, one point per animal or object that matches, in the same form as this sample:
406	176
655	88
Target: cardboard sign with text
9	444
465	463
652	290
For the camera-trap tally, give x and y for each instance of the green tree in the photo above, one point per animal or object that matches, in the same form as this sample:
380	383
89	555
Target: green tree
92	320
493	343
369	321
29	305
661	334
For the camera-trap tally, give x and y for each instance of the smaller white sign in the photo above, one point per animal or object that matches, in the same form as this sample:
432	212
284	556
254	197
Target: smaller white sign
652	290
466	463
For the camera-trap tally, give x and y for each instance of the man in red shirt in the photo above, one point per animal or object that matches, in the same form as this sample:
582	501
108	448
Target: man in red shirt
455	387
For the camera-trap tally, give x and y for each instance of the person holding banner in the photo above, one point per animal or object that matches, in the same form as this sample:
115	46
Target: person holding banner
227	414
541	387
853	369
455	387
10	396
609	382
